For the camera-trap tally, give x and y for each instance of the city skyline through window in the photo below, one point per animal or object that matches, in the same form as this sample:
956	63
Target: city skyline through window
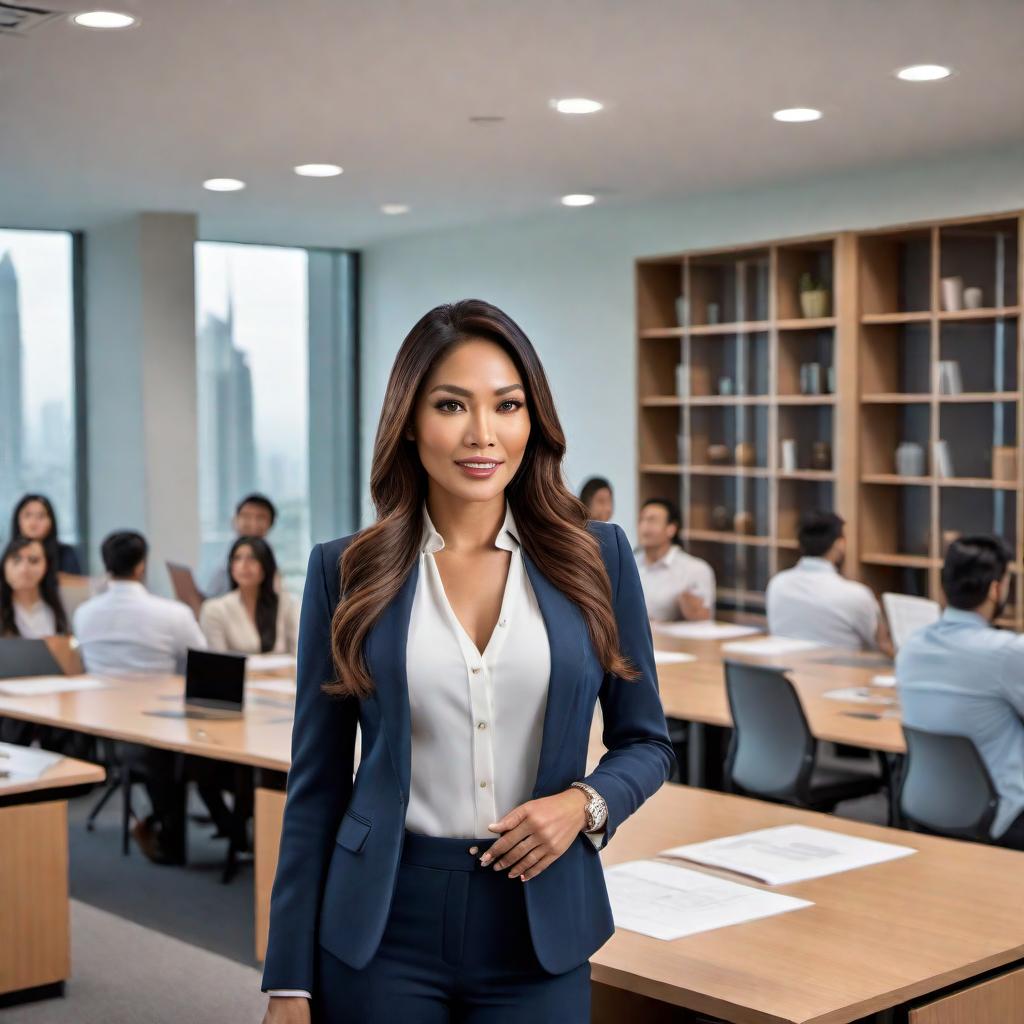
252	327
37	386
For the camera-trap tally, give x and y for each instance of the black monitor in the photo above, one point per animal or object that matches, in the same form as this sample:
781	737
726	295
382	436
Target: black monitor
215	680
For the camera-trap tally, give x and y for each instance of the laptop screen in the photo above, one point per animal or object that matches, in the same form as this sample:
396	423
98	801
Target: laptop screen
215	680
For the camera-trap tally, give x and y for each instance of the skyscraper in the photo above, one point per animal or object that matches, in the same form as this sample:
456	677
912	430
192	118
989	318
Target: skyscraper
226	431
11	415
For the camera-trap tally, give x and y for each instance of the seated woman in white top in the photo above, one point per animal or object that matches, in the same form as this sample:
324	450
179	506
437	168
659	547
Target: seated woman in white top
30	604
253	617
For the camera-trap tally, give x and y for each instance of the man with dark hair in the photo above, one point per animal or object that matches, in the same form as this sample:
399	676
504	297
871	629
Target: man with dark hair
813	601
127	631
960	676
254	517
676	584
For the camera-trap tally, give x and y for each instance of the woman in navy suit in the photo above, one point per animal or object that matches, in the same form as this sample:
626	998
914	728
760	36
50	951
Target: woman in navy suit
469	634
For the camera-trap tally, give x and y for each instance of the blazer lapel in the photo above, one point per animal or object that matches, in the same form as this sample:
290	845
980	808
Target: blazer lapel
385	653
566	630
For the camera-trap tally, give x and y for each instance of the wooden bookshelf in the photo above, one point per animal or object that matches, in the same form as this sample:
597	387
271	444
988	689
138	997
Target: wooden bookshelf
721	343
722	337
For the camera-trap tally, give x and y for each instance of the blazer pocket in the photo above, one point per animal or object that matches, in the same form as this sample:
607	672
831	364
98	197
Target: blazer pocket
352	832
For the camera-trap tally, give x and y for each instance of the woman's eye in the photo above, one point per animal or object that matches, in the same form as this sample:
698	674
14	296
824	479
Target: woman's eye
514	402
443	406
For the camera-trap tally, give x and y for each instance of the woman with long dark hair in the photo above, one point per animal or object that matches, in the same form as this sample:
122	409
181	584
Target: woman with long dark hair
30	604
34	517
468	633
254	617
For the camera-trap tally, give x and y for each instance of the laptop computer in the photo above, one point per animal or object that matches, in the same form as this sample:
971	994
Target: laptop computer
22	657
214	687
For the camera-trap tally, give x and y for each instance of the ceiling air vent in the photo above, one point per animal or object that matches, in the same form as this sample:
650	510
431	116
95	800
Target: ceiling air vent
18	20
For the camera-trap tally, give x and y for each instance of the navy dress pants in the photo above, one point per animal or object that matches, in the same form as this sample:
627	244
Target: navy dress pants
456	950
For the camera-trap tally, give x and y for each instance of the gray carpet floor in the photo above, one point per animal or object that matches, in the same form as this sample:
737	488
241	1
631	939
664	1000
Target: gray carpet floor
122	973
188	903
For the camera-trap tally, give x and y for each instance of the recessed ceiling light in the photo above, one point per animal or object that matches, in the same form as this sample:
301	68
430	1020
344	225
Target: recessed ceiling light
579	199
577	105
394	209
103	19
795	115
924	73
318	170
224	184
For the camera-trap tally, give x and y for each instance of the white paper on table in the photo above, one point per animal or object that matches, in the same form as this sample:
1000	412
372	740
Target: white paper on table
768	645
704	630
668	902
22	763
859	695
906	614
269	662
286	686
883	680
39	686
789	853
672	657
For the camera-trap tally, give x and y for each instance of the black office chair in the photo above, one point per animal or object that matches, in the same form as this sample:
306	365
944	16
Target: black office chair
773	754
946	788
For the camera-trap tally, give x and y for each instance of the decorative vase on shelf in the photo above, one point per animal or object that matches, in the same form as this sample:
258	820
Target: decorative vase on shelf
909	459
745	454
743	522
682	311
814	298
719	455
973	298
821	455
952	289
720	518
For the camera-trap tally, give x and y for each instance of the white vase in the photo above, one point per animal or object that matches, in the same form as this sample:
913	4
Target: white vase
972	298
952	293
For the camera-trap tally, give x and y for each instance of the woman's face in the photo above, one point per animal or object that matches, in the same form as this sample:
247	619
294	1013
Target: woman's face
472	409
246	569
34	521
601	505
25	568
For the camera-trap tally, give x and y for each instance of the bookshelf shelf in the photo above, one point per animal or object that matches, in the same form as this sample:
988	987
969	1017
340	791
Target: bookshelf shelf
846	386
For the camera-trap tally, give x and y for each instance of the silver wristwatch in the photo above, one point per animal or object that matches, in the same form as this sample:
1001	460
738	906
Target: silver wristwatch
597	809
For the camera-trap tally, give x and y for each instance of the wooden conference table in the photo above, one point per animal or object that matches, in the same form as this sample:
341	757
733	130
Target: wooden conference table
35	948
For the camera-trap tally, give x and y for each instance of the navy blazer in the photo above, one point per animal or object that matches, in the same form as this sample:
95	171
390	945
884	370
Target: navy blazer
341	839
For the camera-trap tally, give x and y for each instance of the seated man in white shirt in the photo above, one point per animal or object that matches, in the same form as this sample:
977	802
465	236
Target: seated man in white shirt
812	601
676	584
127	631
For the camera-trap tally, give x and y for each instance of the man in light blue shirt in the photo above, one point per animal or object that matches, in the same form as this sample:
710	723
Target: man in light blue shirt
962	677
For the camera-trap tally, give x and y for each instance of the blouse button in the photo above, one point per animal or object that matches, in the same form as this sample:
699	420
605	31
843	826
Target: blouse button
483	785
481	725
502	622
476	668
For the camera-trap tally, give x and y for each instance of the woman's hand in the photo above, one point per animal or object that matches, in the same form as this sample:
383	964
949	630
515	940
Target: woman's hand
287	1010
537	833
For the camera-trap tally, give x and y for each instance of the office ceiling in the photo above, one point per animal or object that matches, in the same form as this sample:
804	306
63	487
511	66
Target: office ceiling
93	123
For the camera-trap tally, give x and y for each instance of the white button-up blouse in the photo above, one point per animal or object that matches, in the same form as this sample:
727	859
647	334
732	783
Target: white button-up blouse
476	718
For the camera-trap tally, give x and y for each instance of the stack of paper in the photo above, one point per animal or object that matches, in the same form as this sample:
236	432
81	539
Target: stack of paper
859	695
40	686
269	662
906	614
771	645
20	764
668	902
672	657
789	853
704	630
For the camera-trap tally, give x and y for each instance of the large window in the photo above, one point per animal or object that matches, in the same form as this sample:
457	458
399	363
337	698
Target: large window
37	360
275	336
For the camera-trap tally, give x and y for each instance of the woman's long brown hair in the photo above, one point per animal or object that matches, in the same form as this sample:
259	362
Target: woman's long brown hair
550	519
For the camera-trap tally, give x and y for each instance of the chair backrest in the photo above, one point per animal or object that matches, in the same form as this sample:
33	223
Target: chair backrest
772	750
946	787
23	657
